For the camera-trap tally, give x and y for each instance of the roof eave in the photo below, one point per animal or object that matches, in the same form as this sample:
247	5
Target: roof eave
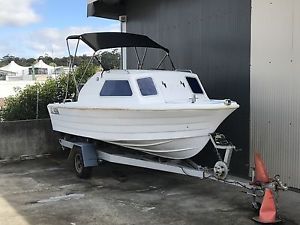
107	9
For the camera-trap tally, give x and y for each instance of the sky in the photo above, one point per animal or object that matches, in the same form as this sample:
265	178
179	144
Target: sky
33	28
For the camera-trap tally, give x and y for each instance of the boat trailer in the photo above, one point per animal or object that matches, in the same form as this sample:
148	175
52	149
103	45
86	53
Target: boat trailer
262	189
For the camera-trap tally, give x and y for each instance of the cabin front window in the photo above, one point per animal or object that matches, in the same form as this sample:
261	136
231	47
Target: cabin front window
116	88
194	84
147	86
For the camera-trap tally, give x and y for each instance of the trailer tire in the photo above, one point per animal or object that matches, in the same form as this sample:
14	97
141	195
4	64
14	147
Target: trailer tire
78	164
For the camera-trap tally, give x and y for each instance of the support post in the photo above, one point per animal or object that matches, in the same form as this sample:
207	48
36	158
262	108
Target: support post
123	61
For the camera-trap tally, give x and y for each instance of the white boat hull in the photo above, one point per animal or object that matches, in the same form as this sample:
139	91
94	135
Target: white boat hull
175	134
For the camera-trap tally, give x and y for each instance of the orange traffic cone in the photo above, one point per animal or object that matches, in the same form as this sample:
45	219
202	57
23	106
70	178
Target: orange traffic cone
261	174
267	212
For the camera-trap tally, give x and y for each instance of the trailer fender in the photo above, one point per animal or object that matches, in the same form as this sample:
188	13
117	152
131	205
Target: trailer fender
88	152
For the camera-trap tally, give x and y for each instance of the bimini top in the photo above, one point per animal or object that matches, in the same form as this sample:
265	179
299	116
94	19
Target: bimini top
104	40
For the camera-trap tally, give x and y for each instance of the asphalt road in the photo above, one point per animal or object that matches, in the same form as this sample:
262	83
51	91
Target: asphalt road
46	191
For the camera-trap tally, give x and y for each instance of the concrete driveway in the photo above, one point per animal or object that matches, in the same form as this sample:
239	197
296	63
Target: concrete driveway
46	191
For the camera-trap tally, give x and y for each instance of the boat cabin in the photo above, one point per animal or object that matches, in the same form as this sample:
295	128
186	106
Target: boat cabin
143	86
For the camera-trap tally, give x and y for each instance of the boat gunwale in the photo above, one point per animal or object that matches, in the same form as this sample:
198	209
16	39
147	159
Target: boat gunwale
174	107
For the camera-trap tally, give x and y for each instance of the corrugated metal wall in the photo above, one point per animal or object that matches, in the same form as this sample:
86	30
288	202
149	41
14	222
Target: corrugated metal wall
275	86
212	38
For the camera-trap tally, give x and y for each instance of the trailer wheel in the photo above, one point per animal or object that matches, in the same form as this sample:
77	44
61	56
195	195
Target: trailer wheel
80	170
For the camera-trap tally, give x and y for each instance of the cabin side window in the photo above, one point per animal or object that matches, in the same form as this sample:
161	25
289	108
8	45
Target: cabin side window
194	84
116	88
147	86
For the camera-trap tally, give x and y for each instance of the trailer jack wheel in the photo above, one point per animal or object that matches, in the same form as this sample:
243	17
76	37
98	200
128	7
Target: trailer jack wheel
80	170
220	170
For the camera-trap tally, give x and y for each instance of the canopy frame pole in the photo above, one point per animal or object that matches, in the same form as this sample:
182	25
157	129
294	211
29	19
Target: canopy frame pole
100	63
171	61
161	61
70	65
85	70
74	78
71	68
143	59
138	58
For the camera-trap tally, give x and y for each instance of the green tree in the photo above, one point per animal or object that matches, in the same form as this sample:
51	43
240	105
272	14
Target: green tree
110	60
